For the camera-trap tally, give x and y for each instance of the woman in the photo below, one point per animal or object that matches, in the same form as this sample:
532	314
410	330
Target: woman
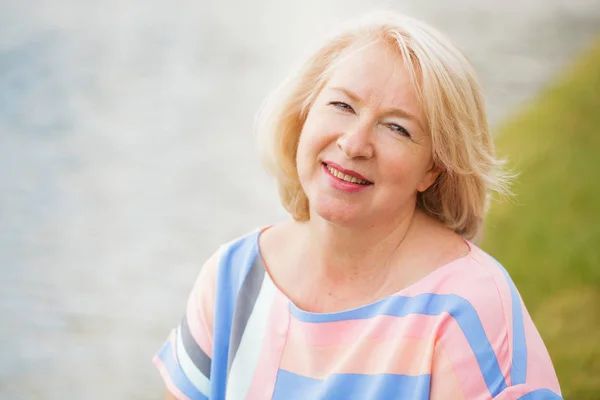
383	157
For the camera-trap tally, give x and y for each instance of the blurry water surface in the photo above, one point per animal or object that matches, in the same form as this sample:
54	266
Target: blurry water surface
127	156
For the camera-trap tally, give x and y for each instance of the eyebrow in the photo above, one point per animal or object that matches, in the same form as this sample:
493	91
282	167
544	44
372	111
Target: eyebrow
391	111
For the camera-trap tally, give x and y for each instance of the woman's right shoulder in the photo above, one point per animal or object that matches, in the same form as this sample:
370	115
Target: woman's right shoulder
229	265
233	259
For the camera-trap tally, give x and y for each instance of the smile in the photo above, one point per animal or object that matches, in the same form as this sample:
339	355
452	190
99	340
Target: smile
346	177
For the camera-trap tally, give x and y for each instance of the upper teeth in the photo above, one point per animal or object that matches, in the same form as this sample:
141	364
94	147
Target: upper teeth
345	177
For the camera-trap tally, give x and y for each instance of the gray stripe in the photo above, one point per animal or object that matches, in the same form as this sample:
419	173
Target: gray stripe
244	305
200	359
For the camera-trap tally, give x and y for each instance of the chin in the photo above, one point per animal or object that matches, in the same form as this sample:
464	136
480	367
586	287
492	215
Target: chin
338	213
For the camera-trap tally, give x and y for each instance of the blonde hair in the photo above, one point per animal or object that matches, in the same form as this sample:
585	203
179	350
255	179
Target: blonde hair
451	98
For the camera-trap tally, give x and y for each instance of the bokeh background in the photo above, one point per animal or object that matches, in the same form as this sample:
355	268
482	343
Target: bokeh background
127	156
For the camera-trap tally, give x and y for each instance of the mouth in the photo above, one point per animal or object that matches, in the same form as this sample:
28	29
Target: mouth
346	176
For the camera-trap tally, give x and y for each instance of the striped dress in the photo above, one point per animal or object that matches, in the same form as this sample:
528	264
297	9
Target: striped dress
462	332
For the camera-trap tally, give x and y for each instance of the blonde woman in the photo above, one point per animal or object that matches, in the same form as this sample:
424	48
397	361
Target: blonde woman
383	157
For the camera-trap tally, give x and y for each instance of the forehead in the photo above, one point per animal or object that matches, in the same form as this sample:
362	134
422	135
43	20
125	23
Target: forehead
375	72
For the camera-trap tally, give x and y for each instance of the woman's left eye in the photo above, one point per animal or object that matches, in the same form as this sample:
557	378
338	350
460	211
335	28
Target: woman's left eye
399	129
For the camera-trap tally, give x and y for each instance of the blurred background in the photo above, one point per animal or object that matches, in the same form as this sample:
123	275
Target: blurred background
127	156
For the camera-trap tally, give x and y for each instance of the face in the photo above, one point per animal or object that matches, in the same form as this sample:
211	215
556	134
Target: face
364	152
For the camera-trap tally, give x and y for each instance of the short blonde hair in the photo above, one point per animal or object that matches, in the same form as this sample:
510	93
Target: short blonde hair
451	98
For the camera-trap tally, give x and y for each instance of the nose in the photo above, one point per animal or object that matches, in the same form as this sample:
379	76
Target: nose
357	142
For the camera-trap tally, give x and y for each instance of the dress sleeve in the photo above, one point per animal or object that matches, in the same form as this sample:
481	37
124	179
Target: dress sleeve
184	361
448	383
487	347
527	392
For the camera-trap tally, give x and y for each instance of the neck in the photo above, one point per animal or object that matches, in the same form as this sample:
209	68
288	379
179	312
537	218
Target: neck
355	255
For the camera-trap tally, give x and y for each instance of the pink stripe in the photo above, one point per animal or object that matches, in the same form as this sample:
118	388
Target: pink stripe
408	356
167	378
173	340
200	305
479	280
207	290
382	327
442	328
502	344
444	381
540	373
197	327
265	374
456	347
516	392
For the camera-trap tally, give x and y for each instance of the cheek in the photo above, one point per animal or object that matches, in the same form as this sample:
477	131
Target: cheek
404	169
308	148
316	135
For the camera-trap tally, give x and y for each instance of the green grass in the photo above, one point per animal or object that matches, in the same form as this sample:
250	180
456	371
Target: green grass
548	236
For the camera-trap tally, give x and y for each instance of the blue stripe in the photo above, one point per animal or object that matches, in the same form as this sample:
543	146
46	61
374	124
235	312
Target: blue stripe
541	394
518	370
429	304
290	386
234	265
179	378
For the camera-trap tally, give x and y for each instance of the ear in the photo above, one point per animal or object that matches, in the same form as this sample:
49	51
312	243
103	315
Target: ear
429	178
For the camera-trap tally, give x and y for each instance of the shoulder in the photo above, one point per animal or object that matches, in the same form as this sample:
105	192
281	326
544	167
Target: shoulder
472	299
478	293
475	277
472	308
228	260
231	254
232	260
468	276
488	327
487	286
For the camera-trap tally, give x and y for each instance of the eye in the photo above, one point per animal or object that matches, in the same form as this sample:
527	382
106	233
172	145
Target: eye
342	106
399	129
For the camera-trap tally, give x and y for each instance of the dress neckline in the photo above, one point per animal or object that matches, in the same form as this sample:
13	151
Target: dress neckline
343	314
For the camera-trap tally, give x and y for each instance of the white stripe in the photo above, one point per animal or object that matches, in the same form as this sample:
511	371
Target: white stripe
248	354
191	371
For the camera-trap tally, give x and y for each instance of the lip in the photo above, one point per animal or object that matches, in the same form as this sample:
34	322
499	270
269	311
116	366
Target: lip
342	185
346	171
